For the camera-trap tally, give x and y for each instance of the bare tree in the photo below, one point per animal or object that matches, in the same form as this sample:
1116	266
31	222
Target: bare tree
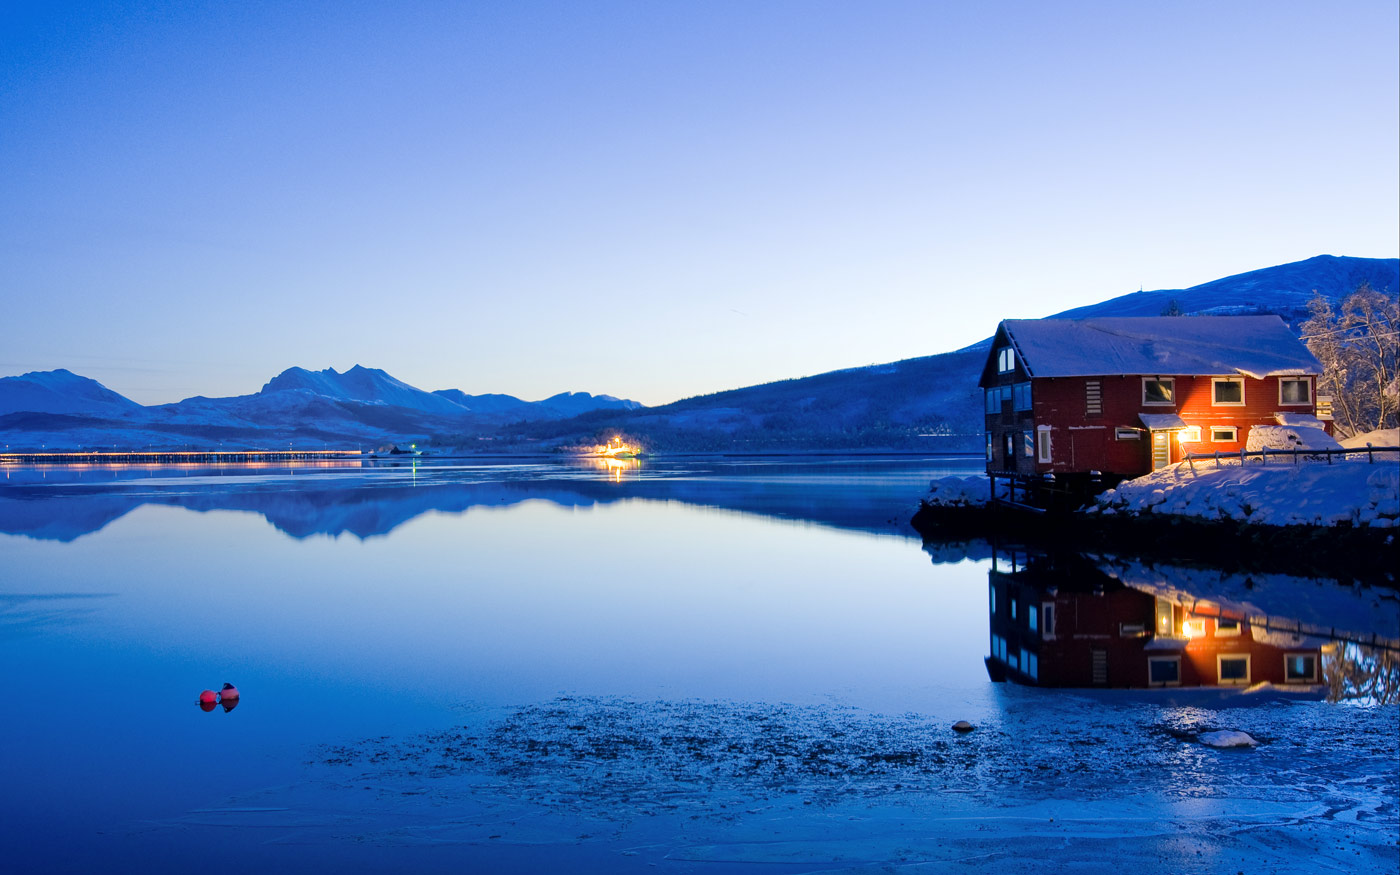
1359	347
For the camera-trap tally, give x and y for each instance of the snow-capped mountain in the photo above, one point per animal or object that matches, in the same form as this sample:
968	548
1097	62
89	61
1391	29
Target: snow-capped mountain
362	385
63	392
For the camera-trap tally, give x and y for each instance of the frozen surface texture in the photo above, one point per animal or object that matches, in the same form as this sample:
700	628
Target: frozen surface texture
1056	782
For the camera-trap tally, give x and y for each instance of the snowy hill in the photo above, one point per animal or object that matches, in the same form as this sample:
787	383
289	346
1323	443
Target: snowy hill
923	404
1283	290
62	392
898	405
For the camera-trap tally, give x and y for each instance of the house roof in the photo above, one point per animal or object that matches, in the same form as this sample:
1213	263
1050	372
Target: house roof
1255	346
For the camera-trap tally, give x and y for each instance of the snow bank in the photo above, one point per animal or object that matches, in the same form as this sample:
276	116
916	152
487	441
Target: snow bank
1311	493
1381	437
1228	738
971	491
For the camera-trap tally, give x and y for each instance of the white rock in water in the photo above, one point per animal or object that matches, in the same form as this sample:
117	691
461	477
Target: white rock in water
1228	738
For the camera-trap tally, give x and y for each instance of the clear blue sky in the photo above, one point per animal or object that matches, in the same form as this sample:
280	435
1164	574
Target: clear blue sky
653	199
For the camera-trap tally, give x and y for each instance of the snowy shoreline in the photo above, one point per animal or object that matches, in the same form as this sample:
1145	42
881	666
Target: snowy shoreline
1302	515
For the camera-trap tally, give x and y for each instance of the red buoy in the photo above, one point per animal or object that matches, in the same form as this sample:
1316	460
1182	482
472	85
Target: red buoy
208	697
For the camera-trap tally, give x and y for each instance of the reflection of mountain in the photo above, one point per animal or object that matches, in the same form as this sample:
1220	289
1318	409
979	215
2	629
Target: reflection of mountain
1067	621
365	508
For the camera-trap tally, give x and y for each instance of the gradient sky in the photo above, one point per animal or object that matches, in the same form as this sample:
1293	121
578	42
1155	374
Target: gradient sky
654	199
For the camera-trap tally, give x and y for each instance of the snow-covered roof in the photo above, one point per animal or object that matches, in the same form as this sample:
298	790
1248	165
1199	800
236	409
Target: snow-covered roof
1255	346
1305	420
1158	421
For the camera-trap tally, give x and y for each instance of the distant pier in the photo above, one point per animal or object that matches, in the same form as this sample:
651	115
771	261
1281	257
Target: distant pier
168	457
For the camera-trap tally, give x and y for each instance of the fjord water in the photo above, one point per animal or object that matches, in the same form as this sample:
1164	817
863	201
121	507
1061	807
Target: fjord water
366	602
549	666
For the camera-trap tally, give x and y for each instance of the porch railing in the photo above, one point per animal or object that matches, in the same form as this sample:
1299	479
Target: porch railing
1312	455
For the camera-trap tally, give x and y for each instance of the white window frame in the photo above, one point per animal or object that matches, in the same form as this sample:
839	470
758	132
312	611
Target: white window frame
1127	434
1312	679
1176	660
1216	381
1217	430
1043	446
1219	670
1172	391
1006	360
1047	621
1228	633
1307	381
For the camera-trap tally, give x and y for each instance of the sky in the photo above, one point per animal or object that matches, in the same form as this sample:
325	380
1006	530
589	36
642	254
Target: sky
654	200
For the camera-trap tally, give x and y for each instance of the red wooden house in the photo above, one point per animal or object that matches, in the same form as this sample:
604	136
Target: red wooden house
1122	397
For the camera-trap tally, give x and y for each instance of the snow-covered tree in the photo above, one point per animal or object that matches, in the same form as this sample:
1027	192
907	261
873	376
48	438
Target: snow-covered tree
1358	344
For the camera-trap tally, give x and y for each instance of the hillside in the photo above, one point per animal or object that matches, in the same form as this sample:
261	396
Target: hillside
930	403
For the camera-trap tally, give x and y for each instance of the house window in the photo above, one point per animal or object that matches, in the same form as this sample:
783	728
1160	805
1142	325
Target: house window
1226	628
1159	390
1295	391
1163	671
1047	620
1127	434
1299	668
992	596
1165	626
1227	391
1033	666
1021	396
1224	434
1033	618
1006	360
1013	659
1189	435
989	446
1194	628
1233	668
1011	448
995	396
1013	609
1027	444
1042	442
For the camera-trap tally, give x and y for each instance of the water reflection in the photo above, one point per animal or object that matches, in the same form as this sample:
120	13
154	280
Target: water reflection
377	498
1101	622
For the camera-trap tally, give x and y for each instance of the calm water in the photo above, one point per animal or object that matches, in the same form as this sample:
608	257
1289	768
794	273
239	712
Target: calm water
353	605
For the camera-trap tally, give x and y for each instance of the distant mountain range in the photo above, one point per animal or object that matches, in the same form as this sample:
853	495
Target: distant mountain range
928	403
362	406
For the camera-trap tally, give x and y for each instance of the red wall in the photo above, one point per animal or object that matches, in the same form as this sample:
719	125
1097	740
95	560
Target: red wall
1081	442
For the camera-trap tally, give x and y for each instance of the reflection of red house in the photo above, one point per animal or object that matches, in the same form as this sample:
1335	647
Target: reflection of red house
1126	396
1109	635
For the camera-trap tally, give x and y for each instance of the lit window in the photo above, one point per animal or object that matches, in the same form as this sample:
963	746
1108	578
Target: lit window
1013	609
1164	671
1006	360
1042	437
1233	669
1194	627
1158	390
1299	668
1032	617
1227	392
1224	434
1189	435
1027	444
1127	434
1295	391
992	591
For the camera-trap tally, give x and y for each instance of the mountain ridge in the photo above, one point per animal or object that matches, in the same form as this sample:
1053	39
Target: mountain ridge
922	403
